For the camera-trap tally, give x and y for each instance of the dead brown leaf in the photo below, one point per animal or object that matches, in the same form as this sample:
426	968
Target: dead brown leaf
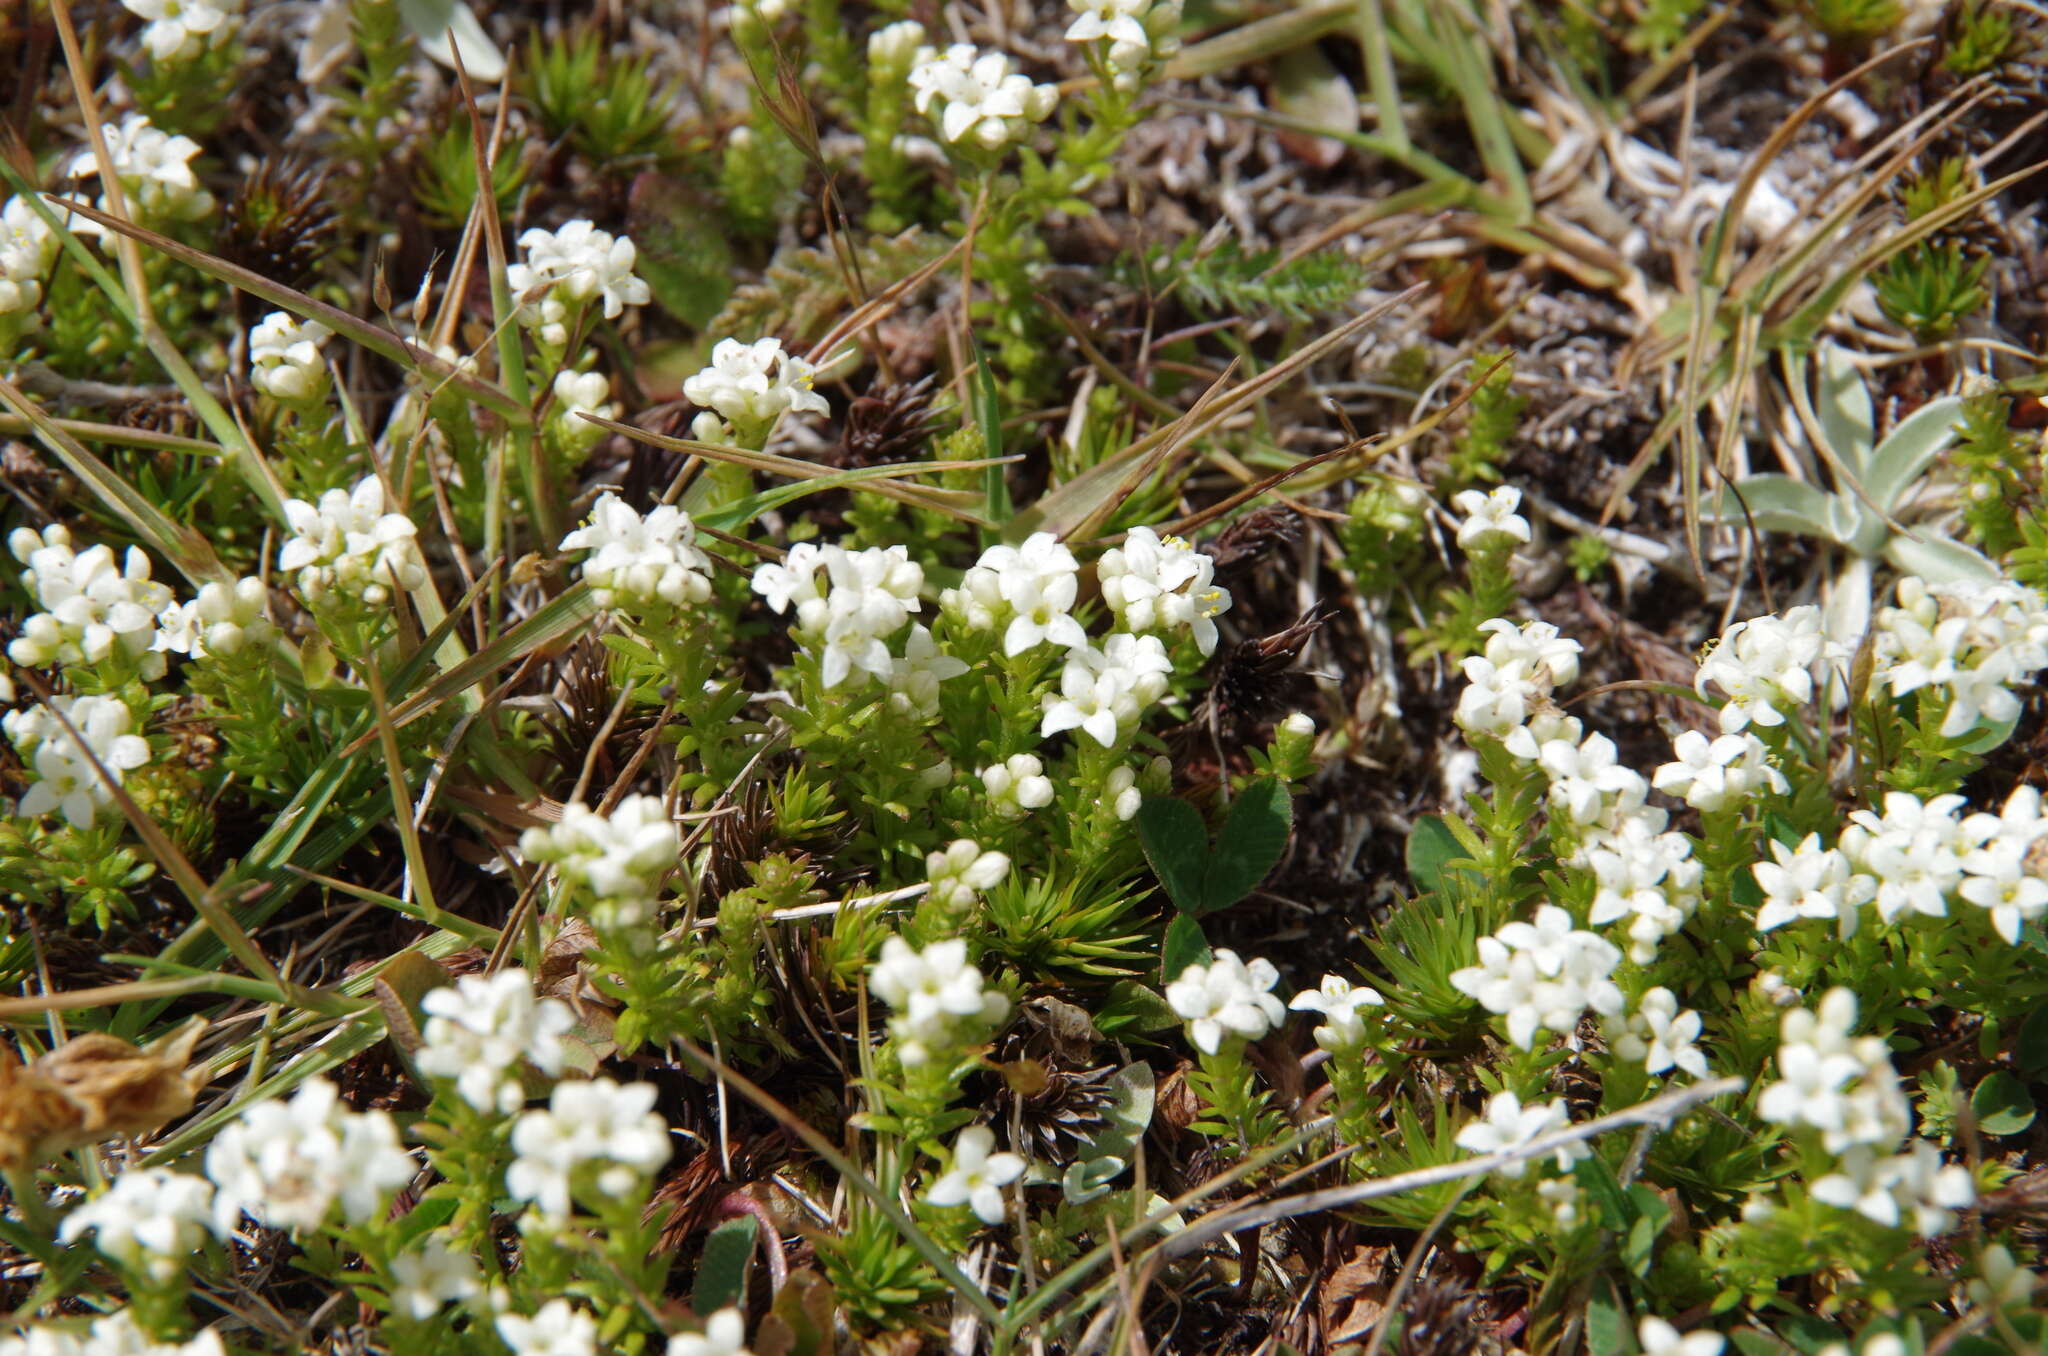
91	1088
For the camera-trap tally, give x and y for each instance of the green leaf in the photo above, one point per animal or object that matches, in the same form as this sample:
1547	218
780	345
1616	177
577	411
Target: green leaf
1432	847
1607	1329
1911	449
1776	503
1254	835
1132	1006
2002	1105
1845	413
1652	1214
1177	846
1184	946
2030	1047
722	1270
988	417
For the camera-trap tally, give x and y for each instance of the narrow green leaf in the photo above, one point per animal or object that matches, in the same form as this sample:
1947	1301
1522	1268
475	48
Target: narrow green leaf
1431	848
1607	1326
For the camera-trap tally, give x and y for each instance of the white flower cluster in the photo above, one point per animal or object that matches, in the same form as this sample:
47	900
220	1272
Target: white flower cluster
284	358
1228	997
1105	692
578	394
1765	667
182	29
1845	1087
725	1334
482	1028
914	679
619	858
224	619
586	1121
567	268
848	615
641	565
1343	1031
1508	1125
155	172
981	99
751	386
151	1220
1028	590
1134	33
95	607
1713	775
558	1328
1912	860
117	1334
1508	687
893	49
27	249
285	1164
1017	785
430	1274
1155	583
347	552
937	996
960	872
1974	641
978	1176
1645	874
1543	975
1492	520
1658	1035
66	781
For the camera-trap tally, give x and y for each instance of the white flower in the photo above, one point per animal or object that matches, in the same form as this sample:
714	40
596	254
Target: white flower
65	779
1562	1196
961	872
725	1334
1543	976
178	29
870	597
1584	780
936	993
1810	881
285	1164
1509	685
1104	692
559	1329
1034	585
27	249
1508	1125
1121	794
577	394
1719	774
981	99
155	172
914	679
95	610
1535	648
1977	640
1661	1339
1912	1189
576	264
284	357
1121	21
1343	1030
2006	1284
1155	583
430	1274
1226	997
150	1219
620	858
117	1334
586	1121
639	565
482	1027
347	551
1490	519
1914	850
1659	1036
751	385
1765	666
1842	1086
892	49
1647	876
1017	785
977	1177
223	620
